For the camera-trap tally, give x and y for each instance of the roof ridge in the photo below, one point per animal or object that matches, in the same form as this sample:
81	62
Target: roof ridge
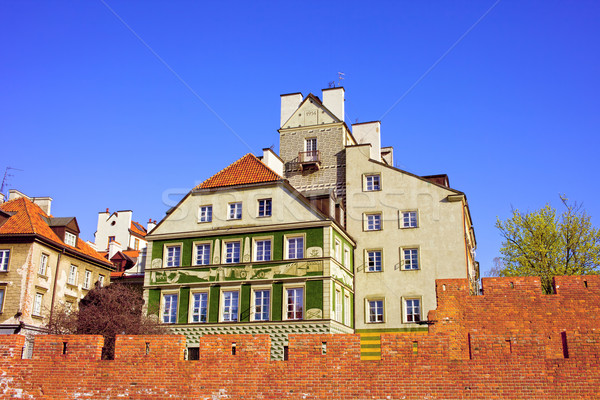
247	172
28	214
223	170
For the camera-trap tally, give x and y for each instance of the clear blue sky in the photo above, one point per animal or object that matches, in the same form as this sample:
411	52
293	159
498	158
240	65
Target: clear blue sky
95	120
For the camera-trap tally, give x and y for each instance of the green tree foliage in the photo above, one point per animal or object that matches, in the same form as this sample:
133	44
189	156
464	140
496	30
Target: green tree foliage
540	243
113	310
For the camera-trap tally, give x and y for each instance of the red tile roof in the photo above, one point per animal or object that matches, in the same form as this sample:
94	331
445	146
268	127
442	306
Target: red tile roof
29	219
137	228
246	170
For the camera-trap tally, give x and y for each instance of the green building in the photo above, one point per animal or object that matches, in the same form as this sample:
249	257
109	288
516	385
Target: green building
246	253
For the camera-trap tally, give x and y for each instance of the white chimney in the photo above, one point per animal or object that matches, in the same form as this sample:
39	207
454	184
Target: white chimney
15	194
44	203
151	225
369	132
272	160
113	248
1	198
333	99
289	103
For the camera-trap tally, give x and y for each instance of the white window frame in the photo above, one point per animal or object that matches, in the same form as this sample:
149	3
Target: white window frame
377	220
226	313
225	243
373	268
163	307
4	259
100	280
73	272
403	258
369	183
70	239
286	302
405	305
265	205
205	213
255	245
37	304
192	307
195	255
254	307
409	214
338	304
347	257
368	310
311	147
287	239
234	210
43	264
347	309
166	256
337	250
2	297
87	279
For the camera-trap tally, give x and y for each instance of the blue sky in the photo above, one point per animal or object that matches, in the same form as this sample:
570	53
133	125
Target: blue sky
95	119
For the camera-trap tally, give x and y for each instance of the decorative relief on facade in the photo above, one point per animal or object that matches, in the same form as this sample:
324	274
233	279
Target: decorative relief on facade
157	263
217	252
314	252
314	313
341	275
245	272
247	250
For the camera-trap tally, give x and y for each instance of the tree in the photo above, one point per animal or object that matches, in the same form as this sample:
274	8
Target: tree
113	310
541	244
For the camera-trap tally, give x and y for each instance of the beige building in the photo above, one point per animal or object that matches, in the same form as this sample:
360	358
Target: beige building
409	230
43	264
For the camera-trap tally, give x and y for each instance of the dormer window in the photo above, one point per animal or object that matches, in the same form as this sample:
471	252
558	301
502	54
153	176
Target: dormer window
70	239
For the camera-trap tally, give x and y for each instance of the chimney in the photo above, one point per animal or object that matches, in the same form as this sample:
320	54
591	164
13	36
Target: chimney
387	153
113	248
369	132
14	194
289	103
1	198
333	99
151	225
272	160
44	203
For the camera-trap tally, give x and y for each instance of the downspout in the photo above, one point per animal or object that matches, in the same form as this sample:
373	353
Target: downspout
55	281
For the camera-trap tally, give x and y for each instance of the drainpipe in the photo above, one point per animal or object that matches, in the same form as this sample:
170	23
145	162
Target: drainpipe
55	281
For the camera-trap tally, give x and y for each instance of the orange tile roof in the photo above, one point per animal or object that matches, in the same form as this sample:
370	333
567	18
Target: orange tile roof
29	219
135	228
246	170
131	253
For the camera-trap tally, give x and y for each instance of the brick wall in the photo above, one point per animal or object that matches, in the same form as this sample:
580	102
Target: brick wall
513	342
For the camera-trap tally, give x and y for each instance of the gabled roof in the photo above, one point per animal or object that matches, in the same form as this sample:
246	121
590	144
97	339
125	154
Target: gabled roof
29	219
248	169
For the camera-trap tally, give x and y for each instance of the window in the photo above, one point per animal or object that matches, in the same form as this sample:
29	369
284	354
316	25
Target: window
338	305
232	252
235	211
347	310
262	302
72	280
169	315
230	306
372	183
2	293
71	239
202	254
87	279
264	208
338	250
311	144
173	256
375	311
136	244
373	222
205	214
199	307
409	219
374	260
110	239
4	256
412	308
100	280
262	250
37	304
295	303
410	258
43	264
346	257
295	247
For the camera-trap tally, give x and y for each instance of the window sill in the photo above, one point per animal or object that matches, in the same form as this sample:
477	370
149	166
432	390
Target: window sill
264	216
204	222
36	316
42	276
370	272
72	286
378	322
408	227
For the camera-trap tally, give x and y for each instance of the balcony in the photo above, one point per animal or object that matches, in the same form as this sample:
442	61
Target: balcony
309	159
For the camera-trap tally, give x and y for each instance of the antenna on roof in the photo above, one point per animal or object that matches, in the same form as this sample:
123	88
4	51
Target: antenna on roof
6	176
340	78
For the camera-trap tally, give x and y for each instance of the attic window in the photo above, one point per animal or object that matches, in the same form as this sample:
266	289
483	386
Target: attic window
70	239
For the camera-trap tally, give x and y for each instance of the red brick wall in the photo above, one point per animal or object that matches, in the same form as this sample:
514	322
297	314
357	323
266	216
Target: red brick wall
511	343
